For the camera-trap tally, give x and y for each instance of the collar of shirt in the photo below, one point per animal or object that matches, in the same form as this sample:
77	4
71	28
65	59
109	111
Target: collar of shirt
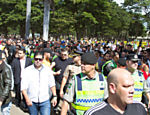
86	77
39	68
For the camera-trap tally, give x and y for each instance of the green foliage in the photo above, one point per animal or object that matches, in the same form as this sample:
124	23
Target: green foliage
90	18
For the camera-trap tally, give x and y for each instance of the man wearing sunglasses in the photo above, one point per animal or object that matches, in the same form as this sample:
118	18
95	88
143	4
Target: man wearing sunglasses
36	81
139	87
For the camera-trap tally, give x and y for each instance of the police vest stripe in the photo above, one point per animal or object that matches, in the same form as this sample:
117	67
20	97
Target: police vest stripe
138	87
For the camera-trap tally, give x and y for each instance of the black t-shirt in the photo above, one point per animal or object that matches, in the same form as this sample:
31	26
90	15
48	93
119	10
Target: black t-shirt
61	64
104	108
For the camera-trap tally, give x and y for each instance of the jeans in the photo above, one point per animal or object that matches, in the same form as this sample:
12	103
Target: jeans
5	109
43	108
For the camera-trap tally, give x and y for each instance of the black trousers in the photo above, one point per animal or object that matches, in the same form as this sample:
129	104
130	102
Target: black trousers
18	95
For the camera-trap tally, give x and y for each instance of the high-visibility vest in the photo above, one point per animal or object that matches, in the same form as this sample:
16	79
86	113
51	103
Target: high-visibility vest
32	56
88	93
138	86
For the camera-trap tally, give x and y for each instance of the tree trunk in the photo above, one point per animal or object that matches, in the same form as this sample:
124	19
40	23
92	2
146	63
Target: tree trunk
46	19
28	16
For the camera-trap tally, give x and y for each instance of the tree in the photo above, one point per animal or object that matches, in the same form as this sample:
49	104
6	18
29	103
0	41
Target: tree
28	16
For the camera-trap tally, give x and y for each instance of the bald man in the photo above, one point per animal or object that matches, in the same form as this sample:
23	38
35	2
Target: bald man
120	100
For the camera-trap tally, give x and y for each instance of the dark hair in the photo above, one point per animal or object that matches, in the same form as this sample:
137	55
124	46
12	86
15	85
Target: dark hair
22	49
64	50
39	53
108	52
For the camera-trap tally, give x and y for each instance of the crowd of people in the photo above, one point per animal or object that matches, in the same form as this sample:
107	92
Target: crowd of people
75	77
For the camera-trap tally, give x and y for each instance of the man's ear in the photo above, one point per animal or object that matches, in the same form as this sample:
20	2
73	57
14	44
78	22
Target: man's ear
112	88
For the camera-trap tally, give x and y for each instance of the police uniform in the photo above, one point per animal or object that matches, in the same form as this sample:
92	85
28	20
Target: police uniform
138	85
139	80
72	70
84	92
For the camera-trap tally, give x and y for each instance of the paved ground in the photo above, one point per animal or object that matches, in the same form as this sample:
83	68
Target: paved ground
16	110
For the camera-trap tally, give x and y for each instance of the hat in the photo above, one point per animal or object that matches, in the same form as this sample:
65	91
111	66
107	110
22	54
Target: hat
122	62
133	57
77	53
89	58
47	50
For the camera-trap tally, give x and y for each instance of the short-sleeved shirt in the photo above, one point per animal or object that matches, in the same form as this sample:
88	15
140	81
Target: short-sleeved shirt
104	108
72	70
70	92
37	83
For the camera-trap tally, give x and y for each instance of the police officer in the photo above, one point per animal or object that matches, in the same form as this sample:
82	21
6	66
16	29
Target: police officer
85	89
71	70
132	65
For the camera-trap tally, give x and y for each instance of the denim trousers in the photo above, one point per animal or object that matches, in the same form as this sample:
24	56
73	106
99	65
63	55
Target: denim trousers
43	108
5	109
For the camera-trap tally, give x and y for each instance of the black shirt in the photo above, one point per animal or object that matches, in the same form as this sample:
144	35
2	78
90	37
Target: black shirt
104	108
61	65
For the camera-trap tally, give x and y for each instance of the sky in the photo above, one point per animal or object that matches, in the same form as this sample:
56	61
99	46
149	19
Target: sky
119	2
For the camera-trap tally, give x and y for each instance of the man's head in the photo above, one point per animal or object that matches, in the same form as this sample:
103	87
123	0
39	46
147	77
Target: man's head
9	41
47	53
38	58
107	56
88	61
24	43
64	54
132	62
116	57
121	63
120	86
21	53
77	56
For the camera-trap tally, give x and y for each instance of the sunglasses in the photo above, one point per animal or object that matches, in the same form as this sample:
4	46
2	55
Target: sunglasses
135	61
36	59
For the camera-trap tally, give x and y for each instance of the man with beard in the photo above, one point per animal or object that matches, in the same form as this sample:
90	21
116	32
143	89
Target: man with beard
37	81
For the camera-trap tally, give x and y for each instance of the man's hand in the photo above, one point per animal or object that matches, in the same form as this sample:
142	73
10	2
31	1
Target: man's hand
1	103
29	103
54	101
61	93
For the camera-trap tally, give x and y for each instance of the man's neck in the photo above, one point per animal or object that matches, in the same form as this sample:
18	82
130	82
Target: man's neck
23	58
91	74
115	104
131	70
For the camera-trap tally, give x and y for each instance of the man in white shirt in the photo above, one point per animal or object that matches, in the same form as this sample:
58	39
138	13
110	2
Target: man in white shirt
36	81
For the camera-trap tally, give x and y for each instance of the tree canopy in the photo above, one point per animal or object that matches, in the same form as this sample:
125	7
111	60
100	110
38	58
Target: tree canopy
81	18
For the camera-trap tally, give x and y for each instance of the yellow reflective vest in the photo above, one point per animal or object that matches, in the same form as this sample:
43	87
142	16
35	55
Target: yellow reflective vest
88	92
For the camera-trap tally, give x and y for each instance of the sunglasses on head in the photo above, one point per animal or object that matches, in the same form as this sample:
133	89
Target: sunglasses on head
36	59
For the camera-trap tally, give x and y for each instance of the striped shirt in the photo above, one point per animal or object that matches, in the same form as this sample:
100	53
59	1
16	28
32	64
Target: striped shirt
136	108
